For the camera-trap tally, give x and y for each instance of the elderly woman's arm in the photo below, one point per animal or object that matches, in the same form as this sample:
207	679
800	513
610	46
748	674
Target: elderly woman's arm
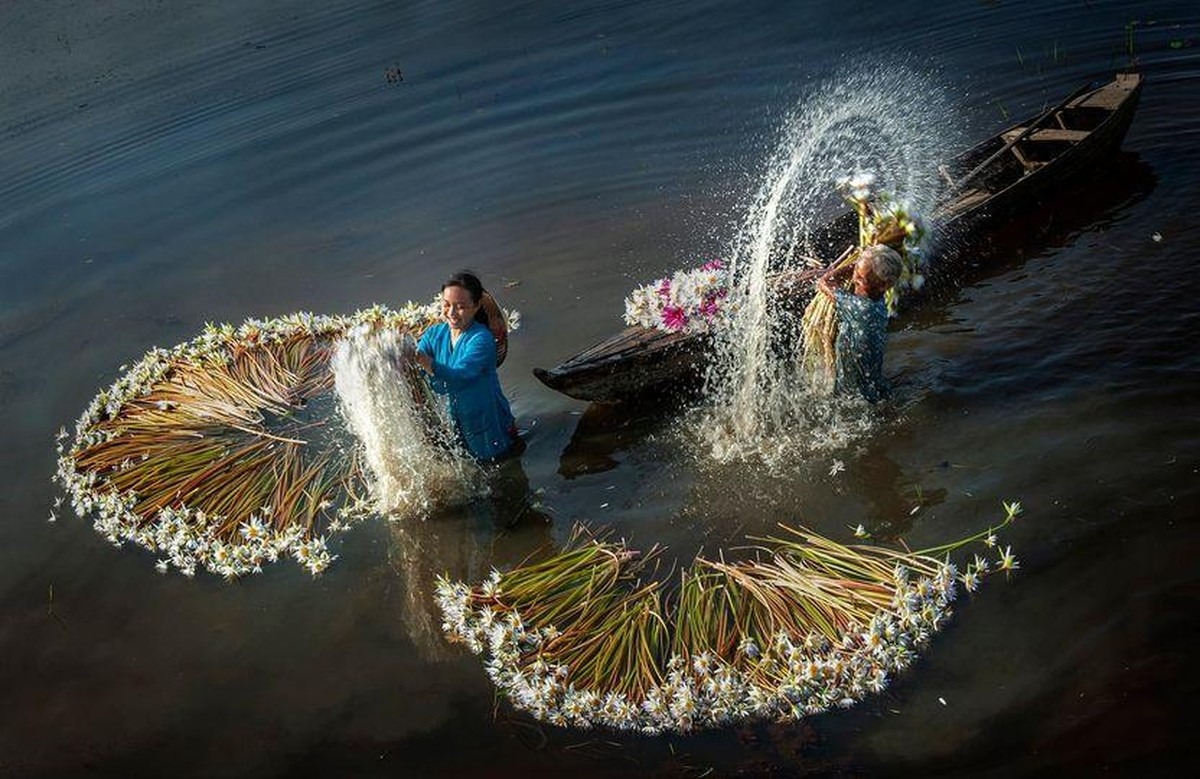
831	279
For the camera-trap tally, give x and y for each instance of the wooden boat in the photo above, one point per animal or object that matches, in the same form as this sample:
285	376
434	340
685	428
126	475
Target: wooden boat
984	186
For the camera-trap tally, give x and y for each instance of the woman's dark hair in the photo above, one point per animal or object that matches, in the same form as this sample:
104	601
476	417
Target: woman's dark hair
470	282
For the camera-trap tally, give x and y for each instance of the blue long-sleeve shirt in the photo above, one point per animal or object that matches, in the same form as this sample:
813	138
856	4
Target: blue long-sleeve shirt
466	373
861	341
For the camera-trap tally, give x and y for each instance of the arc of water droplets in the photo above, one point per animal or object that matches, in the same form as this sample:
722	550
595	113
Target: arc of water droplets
886	120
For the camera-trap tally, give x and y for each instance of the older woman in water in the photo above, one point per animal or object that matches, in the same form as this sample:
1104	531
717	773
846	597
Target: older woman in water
460	356
862	319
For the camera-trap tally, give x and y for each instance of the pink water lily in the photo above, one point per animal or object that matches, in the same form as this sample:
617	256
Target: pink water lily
674	318
687	301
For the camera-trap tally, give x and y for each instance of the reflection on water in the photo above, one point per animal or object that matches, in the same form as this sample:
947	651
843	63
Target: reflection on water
500	529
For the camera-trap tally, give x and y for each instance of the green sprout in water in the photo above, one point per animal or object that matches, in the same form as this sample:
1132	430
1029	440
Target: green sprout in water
1130	29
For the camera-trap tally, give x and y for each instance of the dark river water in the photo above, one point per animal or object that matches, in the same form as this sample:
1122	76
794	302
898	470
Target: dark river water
164	164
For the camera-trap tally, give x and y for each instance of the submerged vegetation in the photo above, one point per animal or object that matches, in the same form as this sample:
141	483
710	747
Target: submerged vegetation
585	638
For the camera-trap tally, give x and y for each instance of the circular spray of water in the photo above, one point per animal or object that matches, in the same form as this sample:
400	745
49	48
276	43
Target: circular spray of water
403	430
886	120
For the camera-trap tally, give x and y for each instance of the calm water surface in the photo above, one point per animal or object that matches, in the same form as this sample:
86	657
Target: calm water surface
163	164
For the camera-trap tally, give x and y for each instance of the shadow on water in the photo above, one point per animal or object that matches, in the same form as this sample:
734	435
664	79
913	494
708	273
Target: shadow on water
499	529
893	497
1091	208
606	430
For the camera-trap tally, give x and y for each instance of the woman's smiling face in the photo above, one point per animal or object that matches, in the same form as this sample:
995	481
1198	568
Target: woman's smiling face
458	309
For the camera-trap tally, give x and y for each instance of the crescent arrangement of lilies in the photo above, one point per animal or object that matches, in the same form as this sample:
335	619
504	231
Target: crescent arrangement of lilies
581	639
215	454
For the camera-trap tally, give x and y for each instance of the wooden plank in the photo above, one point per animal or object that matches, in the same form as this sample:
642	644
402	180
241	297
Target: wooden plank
1049	134
1020	133
1106	99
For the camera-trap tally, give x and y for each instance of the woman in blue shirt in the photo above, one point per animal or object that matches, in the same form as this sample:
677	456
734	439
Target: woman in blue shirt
459	355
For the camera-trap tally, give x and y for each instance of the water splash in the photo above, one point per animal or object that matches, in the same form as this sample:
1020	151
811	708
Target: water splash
403	430
889	121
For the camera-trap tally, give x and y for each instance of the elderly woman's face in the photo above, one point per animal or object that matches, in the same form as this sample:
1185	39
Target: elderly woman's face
864	280
457	308
867	282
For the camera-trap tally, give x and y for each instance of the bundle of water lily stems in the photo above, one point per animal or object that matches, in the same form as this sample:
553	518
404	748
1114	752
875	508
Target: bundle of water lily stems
579	639
211	455
881	221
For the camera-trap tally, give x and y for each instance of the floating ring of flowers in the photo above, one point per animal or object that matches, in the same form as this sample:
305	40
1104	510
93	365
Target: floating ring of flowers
579	639
215	453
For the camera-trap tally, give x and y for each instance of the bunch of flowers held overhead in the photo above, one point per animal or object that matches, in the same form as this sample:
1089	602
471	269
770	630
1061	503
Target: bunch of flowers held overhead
580	639
692	301
216	454
884	219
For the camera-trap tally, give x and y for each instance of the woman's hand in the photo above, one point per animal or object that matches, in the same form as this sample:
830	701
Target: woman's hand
425	361
831	279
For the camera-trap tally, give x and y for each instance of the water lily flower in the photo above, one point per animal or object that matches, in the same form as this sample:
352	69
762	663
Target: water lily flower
674	318
1007	561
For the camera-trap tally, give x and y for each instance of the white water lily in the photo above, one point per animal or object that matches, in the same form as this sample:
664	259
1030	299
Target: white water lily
693	301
